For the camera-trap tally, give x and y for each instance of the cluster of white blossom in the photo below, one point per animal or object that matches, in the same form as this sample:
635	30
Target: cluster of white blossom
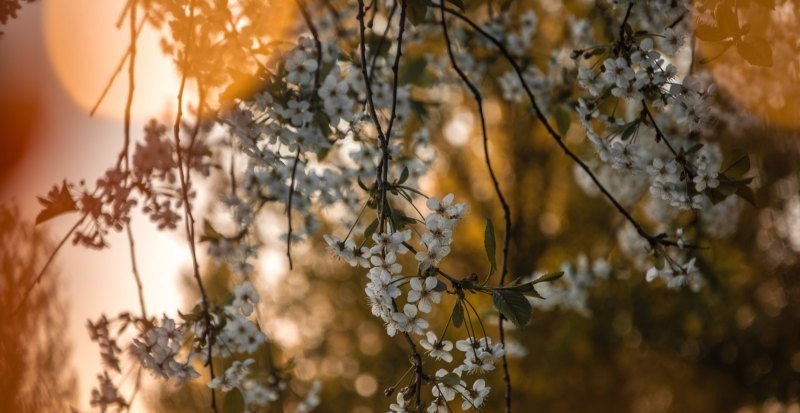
322	140
385	289
646	120
158	350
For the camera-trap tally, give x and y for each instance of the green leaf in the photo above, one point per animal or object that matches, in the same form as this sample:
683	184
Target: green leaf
440	286
458	314
209	233
490	245
234	402
693	149
457	3
533	293
738	168
715	196
746	193
756	51
451	379
362	184
512	305
403	176
562	121
417	10
629	130
549	277
527	289
371	229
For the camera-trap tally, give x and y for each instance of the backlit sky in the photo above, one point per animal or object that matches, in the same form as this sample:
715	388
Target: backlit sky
54	62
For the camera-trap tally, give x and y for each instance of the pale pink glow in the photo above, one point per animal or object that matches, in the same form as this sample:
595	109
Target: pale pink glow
66	50
84	47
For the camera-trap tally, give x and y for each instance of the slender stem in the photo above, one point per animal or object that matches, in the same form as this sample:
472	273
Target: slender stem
131	82
135	270
384	165
506	210
289	210
652	240
117	71
50	259
187	209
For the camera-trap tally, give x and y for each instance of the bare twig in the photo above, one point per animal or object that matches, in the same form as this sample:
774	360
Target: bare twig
651	239
135	270
289	210
187	209
117	71
49	261
506	210
383	169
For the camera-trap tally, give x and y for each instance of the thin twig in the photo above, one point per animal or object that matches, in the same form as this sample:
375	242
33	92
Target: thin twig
289	210
188	218
652	240
506	210
117	71
384	165
47	265
135	270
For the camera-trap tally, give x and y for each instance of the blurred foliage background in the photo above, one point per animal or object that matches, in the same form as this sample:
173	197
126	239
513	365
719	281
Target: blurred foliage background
643	348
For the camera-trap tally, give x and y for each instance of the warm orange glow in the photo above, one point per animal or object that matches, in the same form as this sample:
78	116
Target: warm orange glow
84	48
771	92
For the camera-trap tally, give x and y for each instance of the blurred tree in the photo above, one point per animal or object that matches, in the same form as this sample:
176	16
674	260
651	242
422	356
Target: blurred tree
34	356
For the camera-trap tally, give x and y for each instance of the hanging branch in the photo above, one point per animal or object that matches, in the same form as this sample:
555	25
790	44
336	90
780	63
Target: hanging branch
383	169
118	69
506	210
318	45
135	270
651	239
289	210
188	218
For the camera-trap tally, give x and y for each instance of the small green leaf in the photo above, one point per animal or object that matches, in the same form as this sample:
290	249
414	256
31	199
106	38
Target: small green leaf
512	305
371	229
403	176
738	168
209	233
746	193
629	130
451	379
490	245
458	314
549	277
440	286
234	402
417	10
362	184
527	289
533	293
693	149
